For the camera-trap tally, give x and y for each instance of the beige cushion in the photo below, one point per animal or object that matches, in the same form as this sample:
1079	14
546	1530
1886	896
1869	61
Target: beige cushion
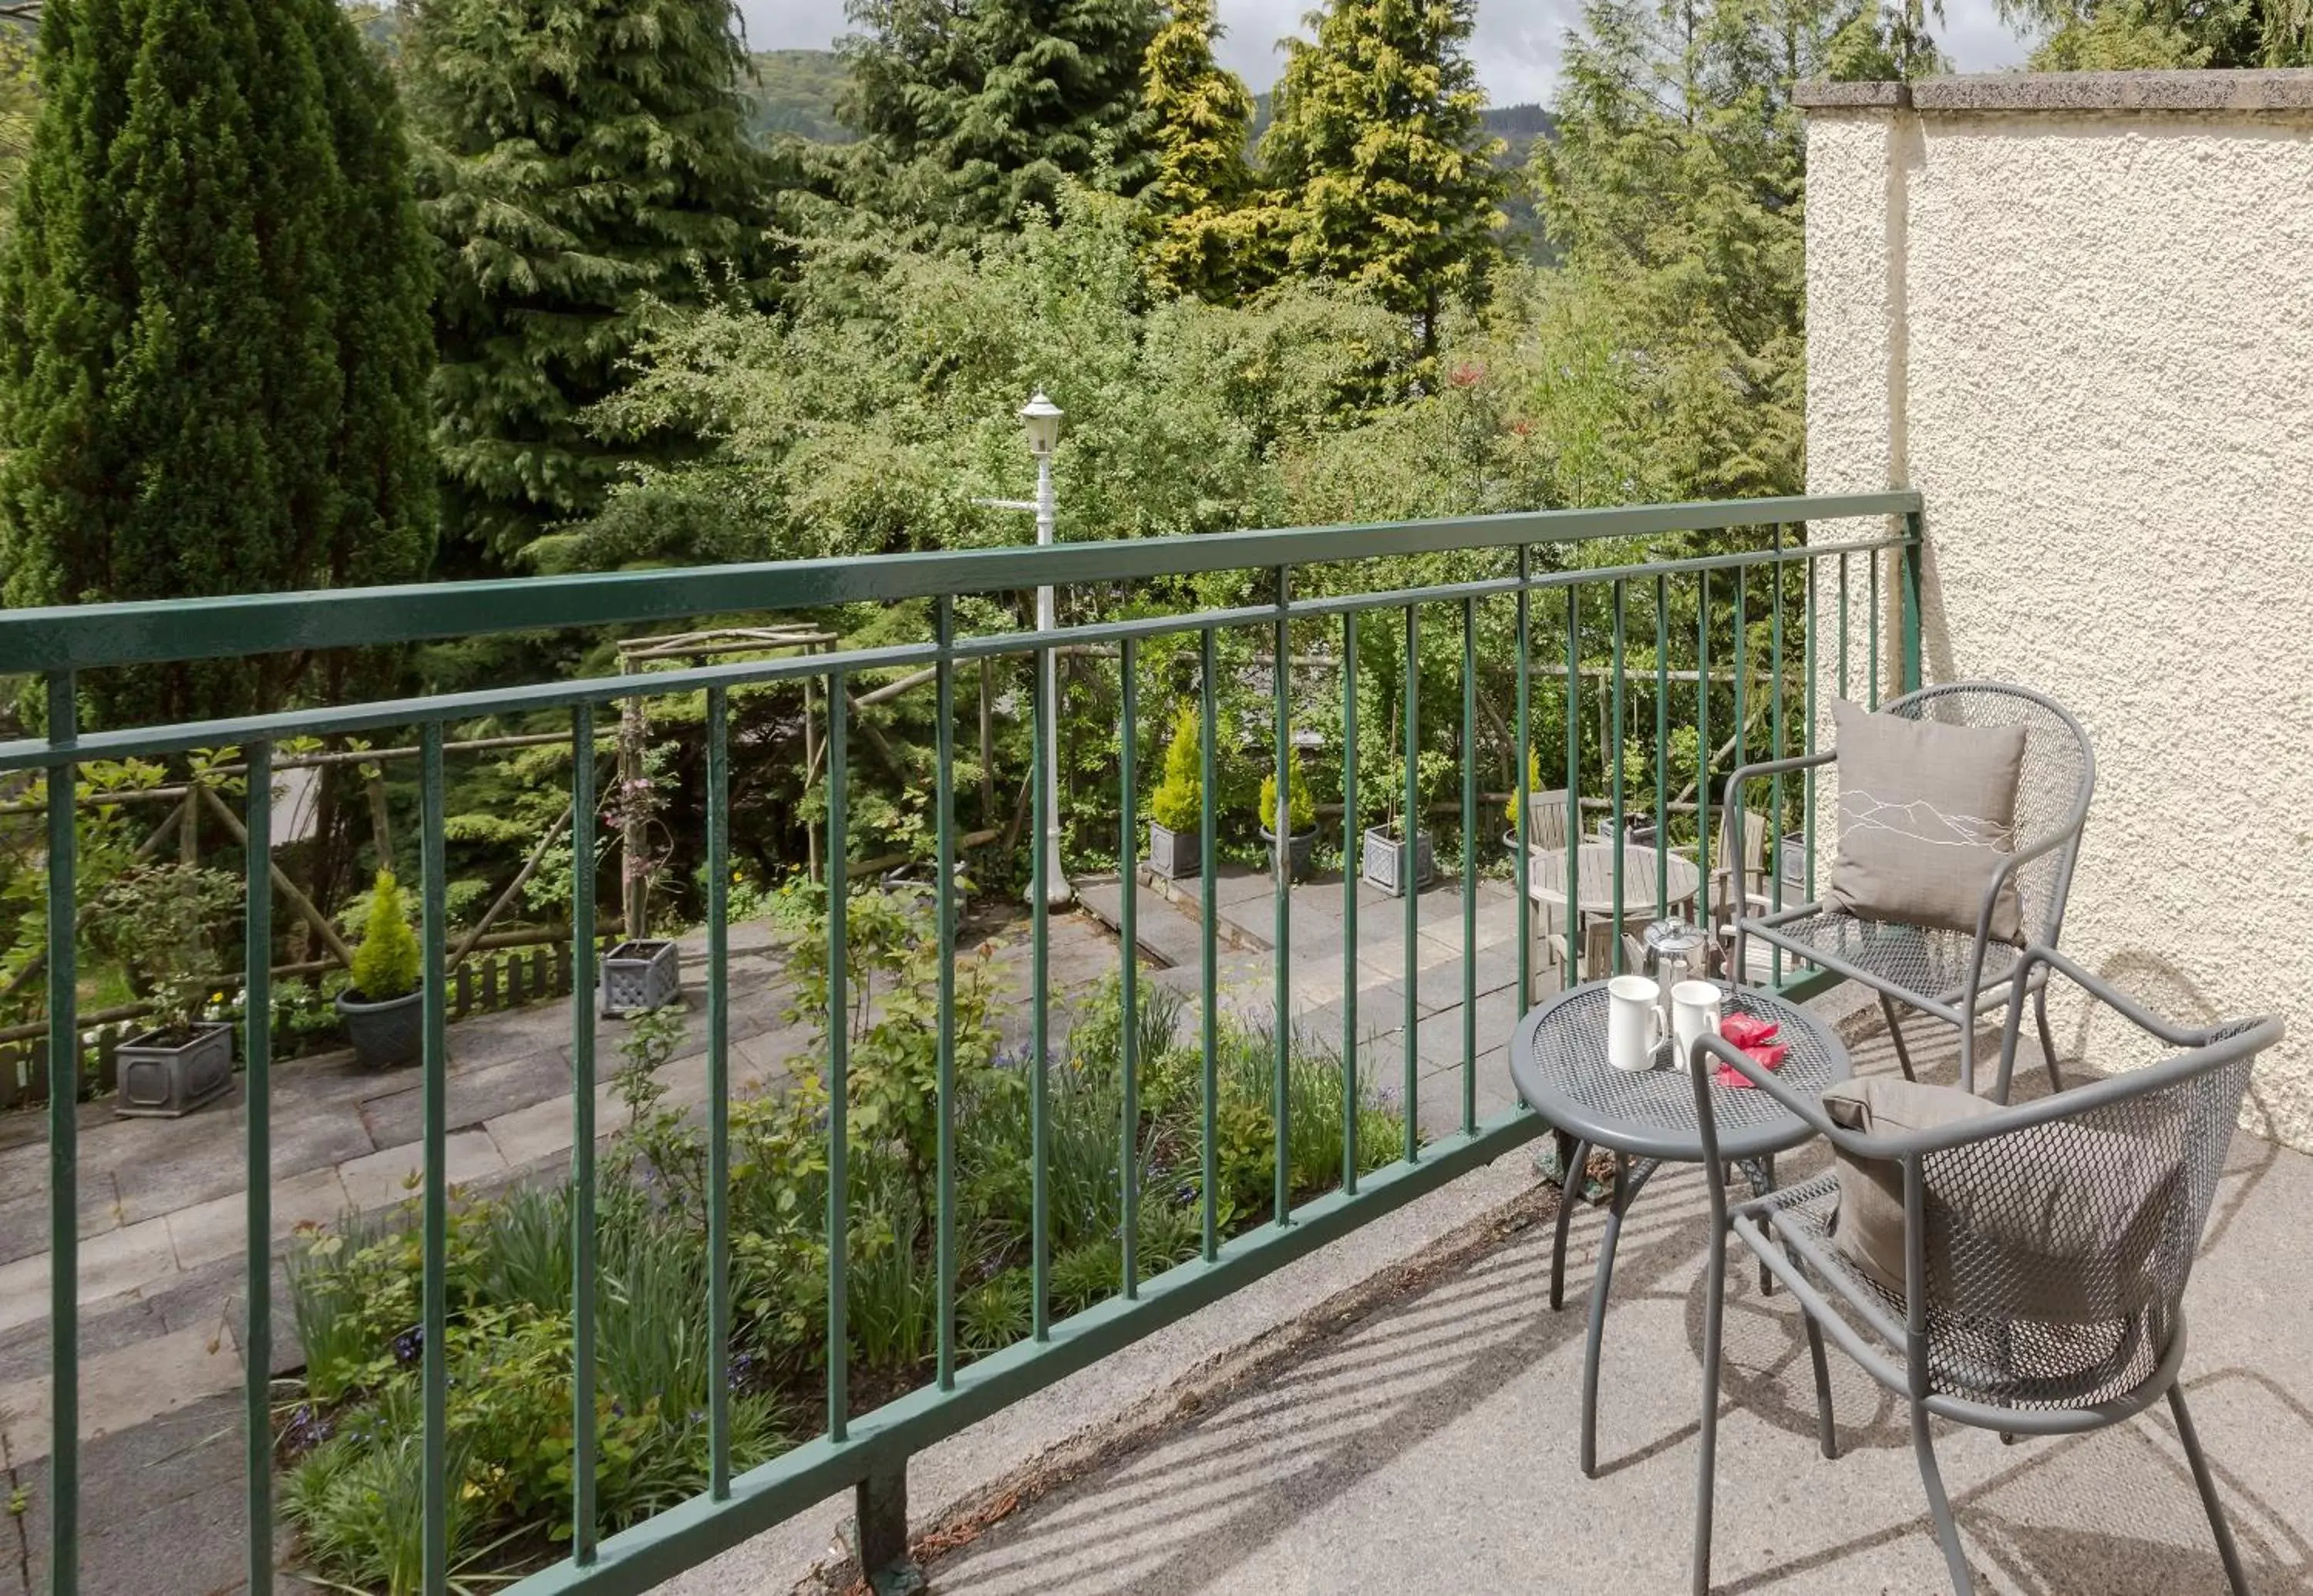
2060	1223
1926	813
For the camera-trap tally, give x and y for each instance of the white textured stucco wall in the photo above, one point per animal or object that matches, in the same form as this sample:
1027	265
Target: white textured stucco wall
2087	337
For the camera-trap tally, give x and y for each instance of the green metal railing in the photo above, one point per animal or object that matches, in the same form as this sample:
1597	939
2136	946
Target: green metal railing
1524	562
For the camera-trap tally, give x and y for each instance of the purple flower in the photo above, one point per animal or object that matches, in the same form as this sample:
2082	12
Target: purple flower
410	1344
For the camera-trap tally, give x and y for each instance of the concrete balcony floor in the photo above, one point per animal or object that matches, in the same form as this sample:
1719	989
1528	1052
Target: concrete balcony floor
1431	1445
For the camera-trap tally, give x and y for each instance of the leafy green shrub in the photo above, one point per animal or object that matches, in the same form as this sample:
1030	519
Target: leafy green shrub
1533	786
161	922
386	965
1300	803
1178	804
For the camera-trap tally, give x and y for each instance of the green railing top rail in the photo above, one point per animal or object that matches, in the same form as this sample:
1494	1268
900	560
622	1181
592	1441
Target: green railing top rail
93	636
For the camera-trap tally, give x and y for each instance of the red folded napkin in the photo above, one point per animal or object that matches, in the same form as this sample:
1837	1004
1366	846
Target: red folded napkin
1755	1037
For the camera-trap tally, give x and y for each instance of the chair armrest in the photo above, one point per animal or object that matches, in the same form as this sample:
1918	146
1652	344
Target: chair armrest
1743	775
1711	1050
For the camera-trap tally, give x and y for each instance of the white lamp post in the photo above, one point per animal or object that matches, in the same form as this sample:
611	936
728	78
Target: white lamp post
1040	418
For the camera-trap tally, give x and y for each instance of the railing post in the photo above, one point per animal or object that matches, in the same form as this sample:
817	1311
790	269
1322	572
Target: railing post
880	1528
64	1152
1913	535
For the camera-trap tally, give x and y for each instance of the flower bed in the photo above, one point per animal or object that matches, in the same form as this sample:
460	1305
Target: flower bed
353	1447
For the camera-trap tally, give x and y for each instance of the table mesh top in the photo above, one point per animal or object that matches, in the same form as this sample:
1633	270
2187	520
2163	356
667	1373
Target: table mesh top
1565	1067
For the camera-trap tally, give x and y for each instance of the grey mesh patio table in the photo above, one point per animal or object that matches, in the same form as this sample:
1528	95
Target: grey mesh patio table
1647	1117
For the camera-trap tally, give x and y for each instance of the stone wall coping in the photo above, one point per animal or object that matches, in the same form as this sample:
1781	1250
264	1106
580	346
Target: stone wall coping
2256	90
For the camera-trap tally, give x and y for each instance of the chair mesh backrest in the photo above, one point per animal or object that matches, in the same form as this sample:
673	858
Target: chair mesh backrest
2056	767
2057	1255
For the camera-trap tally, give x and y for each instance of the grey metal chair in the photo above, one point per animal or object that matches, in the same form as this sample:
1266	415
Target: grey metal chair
1951	974
1994	1328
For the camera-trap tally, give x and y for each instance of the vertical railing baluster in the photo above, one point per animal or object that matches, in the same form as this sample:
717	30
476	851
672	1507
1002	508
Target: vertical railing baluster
1207	875
1738	816
1914	545
1469	865
1662	747
435	1316
1409	881
718	1094
1282	881
1702	750
1523	782
584	1419
1843	582
1350	835
1774	847
256	1097
944	901
64	1145
1614	776
1040	917
1874	662
839	1052
1807	796
1128	975
1573	784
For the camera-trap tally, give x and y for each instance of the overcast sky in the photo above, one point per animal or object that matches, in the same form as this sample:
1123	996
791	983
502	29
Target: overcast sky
1516	47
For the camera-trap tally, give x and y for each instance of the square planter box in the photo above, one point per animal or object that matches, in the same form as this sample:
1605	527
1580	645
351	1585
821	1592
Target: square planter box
159	1080
1384	862
639	976
1172	854
1795	863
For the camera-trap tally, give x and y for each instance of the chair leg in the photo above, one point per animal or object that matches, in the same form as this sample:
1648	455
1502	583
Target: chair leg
2047	1038
1714	1313
1826	1433
1569	1192
1939	1508
2207	1481
1896	1034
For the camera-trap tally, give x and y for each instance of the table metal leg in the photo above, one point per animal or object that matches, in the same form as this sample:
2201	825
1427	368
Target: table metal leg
1569	1192
1630	1177
1761	1174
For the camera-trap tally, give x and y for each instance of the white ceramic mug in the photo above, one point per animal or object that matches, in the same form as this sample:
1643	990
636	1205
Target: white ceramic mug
1633	1023
1694	1013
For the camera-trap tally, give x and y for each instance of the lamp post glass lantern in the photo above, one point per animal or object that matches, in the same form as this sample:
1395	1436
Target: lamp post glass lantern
1040	419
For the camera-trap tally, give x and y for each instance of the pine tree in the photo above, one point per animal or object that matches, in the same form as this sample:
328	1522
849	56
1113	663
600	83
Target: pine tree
981	107
211	326
1382	170
1199	119
581	162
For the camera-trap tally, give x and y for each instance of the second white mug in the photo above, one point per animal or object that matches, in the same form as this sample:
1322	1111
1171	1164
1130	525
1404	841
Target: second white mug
1694	1013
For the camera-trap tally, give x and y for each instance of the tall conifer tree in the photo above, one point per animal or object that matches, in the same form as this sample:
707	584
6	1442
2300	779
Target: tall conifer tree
212	333
580	161
1382	168
1199	118
981	107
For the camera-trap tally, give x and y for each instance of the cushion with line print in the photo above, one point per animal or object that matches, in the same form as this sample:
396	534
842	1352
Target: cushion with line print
1927	813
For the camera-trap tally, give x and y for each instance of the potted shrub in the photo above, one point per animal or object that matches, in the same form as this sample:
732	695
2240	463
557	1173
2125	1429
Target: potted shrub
1176	808
1301	816
1510	807
158	921
383	1011
1390	860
